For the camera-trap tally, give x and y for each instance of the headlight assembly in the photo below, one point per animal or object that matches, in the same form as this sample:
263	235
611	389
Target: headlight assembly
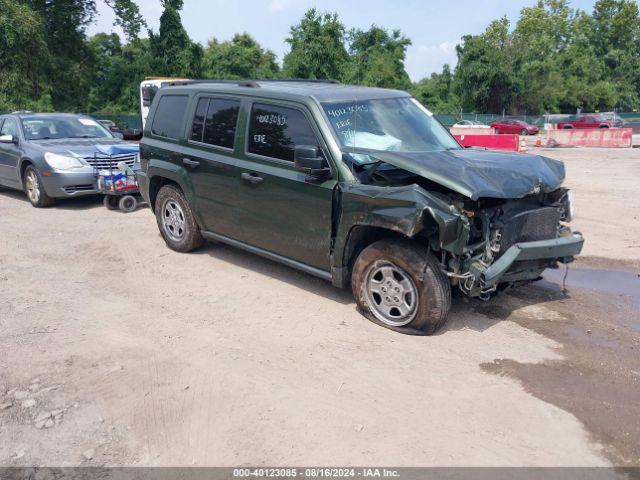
62	162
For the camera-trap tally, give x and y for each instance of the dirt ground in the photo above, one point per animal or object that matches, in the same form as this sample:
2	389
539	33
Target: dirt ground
115	350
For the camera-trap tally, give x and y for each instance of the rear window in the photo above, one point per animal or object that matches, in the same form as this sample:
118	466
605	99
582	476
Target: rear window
275	131
168	120
215	121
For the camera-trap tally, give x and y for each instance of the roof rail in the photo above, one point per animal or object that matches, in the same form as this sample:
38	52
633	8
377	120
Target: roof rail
248	83
252	83
304	80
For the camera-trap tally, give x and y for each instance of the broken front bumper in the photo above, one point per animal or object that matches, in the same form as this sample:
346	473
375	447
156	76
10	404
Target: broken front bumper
563	249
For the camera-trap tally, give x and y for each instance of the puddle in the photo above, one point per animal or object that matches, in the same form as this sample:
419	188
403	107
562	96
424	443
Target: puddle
608	282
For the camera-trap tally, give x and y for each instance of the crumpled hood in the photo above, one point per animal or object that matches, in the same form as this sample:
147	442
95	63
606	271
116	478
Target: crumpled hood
77	147
482	173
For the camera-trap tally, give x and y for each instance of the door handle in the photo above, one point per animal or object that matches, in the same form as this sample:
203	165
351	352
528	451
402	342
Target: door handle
190	163
251	177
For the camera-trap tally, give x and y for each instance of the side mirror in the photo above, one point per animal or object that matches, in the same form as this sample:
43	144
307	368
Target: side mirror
118	135
8	139
307	160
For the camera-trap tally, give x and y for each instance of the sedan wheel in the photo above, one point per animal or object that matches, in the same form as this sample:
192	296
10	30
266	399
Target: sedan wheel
33	186
34	189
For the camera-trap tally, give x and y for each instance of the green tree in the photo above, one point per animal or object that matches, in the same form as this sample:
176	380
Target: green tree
24	58
45	57
175	53
241	57
377	58
117	71
317	47
485	79
436	92
543	28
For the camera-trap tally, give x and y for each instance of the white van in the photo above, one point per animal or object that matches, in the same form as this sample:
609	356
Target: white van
148	89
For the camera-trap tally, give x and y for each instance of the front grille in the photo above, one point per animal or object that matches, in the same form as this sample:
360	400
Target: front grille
79	188
529	226
110	162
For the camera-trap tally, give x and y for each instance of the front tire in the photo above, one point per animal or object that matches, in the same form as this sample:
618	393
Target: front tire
524	132
399	285
176	221
34	189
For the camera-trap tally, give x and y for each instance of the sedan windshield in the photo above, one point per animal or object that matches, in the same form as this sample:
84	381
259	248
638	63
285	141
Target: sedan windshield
44	128
391	124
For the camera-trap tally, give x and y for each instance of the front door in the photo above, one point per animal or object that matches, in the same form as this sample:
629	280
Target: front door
281	210
10	155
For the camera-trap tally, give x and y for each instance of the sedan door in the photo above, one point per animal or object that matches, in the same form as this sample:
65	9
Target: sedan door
282	210
10	154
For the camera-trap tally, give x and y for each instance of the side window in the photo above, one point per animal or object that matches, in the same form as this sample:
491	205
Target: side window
198	120
215	121
10	127
168	120
275	131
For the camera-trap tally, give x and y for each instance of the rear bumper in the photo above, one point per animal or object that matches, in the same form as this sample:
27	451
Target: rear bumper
563	249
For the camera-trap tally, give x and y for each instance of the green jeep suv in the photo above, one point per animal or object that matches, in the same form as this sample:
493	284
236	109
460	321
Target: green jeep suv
359	186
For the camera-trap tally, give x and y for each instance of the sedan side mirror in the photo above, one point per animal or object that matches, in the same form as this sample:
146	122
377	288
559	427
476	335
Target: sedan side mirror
8	139
307	160
118	135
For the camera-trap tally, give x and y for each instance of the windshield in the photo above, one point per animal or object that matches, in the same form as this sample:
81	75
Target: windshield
44	128
391	124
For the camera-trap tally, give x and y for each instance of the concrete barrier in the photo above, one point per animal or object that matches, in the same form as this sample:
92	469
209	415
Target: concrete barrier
493	142
472	131
591	137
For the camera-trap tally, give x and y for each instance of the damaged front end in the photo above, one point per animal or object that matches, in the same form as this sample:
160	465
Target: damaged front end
484	243
511	241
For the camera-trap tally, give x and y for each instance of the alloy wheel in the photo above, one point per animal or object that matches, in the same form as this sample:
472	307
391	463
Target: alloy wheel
33	185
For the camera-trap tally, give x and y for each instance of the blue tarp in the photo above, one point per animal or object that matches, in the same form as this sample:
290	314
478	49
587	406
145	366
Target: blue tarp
121	149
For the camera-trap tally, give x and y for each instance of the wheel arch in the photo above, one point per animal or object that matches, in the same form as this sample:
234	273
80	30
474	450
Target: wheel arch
155	184
24	163
361	236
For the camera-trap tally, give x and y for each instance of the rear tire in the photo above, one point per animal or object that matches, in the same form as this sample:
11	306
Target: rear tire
400	285
176	221
33	188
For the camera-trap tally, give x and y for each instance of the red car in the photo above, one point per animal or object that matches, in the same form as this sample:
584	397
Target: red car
518	127
590	121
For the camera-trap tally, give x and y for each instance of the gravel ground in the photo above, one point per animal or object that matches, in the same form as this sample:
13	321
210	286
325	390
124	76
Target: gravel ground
115	350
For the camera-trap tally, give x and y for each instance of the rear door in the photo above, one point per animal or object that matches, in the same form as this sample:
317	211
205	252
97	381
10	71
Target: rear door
281	209
209	159
10	154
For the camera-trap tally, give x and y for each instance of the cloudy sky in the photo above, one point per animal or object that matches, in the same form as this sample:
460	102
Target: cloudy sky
433	26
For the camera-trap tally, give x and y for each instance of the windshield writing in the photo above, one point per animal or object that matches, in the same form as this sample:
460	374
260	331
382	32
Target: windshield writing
393	124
